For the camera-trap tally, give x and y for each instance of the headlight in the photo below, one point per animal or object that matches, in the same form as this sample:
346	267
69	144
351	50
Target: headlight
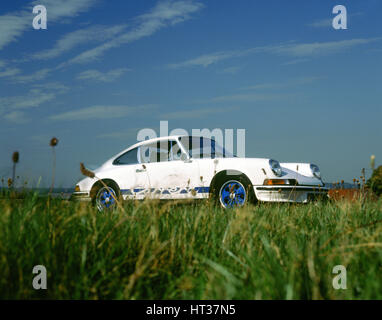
315	171
275	167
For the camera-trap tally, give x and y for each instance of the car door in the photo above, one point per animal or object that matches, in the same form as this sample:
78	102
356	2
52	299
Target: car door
171	175
130	175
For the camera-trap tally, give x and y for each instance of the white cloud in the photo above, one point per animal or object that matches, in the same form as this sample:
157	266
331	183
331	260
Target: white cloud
34	98
279	85
324	23
79	37
294	61
205	60
52	86
230	70
102	76
13	108
295	50
249	97
15	74
10	72
164	14
327	23
13	25
195	113
101	112
36	76
16	117
67	8
320	48
127	134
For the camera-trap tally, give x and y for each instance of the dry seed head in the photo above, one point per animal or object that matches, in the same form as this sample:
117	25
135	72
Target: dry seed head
86	172
372	161
10	182
15	157
53	142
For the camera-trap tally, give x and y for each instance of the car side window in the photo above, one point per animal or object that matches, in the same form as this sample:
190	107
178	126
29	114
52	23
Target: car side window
130	157
160	151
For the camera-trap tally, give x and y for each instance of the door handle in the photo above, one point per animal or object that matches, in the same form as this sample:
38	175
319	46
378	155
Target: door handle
140	170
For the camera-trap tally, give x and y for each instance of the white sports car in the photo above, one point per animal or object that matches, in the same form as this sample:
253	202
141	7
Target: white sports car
190	167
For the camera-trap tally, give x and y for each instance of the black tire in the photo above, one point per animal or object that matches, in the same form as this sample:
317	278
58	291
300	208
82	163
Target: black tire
105	196
231	182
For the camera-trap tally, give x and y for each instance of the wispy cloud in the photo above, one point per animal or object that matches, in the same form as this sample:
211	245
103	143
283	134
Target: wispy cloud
6	71
250	97
320	48
230	70
96	75
67	8
127	134
323	23
16	117
164	14
34	98
36	76
195	113
14	108
13	25
279	85
326	23
206	59
212	58
11	108
294	61
79	37
298	50
101	112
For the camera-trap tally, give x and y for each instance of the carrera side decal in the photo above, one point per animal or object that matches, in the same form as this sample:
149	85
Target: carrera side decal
164	191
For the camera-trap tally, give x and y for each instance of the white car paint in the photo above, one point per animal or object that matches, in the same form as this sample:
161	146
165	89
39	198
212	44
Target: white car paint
188	177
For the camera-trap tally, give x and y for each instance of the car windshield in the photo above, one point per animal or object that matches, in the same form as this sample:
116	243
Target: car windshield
200	147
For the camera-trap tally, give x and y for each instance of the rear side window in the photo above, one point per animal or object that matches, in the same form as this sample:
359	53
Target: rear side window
130	157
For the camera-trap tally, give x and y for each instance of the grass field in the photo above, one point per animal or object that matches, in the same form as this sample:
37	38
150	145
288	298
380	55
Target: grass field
153	250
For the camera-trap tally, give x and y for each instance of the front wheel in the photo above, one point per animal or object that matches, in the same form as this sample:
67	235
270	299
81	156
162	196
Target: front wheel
105	199
234	193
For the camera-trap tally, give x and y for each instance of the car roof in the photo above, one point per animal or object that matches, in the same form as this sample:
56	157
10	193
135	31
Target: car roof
173	137
138	144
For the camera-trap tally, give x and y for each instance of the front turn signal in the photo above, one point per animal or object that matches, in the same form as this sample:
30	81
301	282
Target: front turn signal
275	182
278	182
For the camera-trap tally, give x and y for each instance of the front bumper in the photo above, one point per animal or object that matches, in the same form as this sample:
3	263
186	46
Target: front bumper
80	196
285	193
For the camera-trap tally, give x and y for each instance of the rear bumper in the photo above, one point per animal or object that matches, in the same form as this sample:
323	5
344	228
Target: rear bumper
80	196
282	193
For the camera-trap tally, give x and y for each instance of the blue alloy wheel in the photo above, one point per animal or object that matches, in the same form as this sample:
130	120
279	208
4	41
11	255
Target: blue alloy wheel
232	194
105	199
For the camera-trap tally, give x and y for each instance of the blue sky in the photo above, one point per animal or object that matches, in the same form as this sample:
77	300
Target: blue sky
103	70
